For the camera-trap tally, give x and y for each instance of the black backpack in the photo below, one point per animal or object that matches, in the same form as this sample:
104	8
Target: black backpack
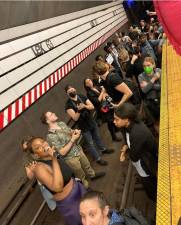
131	216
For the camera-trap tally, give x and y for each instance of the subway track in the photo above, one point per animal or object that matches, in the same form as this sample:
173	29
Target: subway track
121	186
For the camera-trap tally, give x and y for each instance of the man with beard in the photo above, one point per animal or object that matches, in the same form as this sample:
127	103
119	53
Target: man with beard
64	140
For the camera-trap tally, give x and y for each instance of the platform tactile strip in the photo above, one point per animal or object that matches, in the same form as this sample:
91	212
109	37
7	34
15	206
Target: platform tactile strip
169	172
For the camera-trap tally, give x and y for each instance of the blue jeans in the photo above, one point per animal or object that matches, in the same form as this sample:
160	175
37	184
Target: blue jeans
92	138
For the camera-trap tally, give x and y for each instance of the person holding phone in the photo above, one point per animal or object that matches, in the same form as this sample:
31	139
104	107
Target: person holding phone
52	171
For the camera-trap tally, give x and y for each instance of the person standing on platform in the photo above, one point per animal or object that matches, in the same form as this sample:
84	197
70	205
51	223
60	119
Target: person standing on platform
146	48
150	83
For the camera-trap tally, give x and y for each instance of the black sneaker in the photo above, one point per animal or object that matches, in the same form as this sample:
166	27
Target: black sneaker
102	162
107	151
98	175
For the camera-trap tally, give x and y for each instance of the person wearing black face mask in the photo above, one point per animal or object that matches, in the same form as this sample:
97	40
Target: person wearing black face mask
102	104
73	94
78	107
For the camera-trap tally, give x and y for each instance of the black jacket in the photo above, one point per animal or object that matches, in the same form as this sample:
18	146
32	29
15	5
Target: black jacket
143	147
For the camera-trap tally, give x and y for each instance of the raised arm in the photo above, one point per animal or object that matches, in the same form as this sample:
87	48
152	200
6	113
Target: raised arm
89	105
63	151
66	148
51	178
74	115
29	172
102	95
127	93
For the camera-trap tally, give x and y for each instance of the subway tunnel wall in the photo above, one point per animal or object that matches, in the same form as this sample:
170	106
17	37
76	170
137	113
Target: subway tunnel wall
16	13
28	123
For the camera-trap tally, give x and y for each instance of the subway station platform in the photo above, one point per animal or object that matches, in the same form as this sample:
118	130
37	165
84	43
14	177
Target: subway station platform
169	171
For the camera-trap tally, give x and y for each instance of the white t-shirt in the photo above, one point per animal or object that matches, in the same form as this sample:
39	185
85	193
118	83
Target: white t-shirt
109	59
125	39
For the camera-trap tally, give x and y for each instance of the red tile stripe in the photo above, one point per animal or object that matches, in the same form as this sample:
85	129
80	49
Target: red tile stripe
2	118
24	102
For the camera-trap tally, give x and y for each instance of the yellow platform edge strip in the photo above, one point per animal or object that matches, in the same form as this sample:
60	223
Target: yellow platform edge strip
163	212
174	117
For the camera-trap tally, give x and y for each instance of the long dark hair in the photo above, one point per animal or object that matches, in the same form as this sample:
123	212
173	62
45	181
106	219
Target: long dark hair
29	144
128	111
26	140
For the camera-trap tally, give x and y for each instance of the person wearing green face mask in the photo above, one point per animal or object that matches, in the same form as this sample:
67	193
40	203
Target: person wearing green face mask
148	69
150	85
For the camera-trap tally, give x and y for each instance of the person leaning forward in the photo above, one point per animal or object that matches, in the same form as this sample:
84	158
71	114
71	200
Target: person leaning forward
64	140
140	145
114	85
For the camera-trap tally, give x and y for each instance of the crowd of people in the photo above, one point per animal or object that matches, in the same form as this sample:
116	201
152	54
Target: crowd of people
124	91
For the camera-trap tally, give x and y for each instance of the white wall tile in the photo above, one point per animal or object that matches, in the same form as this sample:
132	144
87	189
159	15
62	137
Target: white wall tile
23	87
9	63
31	66
16	75
7	97
37	77
4	83
87	38
5	50
25	56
